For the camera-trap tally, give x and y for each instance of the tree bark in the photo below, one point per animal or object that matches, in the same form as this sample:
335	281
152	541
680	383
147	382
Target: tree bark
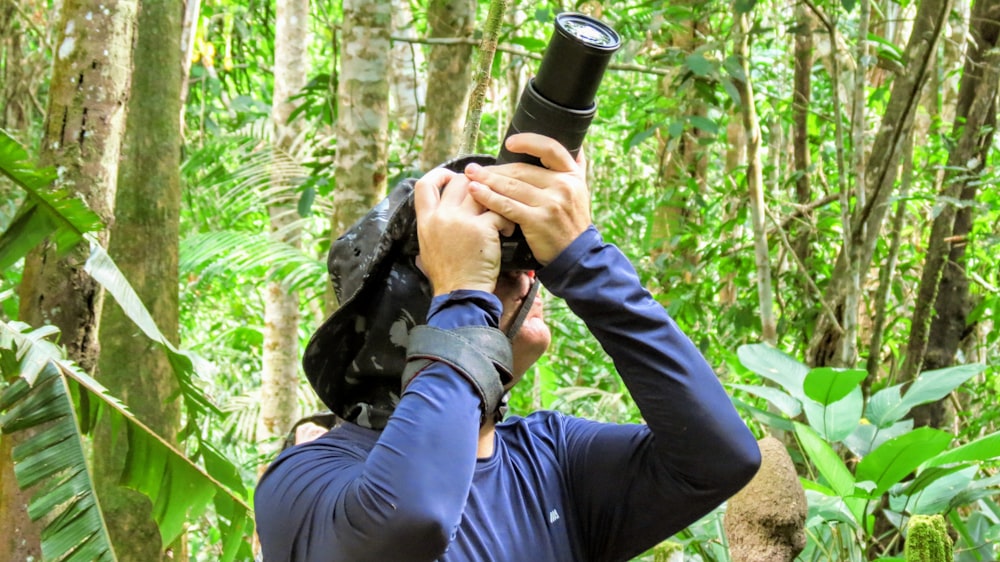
280	363
362	122
408	90
487	48
144	244
755	184
825	345
82	139
448	79
935	333
802	97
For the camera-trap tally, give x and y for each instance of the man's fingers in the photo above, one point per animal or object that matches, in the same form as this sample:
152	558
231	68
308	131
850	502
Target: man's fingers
552	154
427	190
499	204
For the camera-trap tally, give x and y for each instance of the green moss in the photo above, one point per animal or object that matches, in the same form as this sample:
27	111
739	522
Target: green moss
927	540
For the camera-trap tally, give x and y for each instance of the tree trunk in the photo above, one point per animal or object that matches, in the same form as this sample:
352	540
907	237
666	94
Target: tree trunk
280	364
448	79
800	129
362	122
484	66
755	183
82	138
408	90
934	338
21	67
144	243
825	345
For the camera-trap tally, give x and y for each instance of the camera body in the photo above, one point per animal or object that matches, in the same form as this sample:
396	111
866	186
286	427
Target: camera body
559	102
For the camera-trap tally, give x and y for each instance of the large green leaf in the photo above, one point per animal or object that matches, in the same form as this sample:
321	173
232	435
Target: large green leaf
48	211
931	386
178	488
103	269
896	458
775	366
782	401
934	493
983	449
838	420
827	384
53	458
826	460
867	437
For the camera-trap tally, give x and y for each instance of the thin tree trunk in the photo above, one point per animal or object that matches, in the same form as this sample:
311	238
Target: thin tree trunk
888	271
189	28
976	105
802	97
487	48
82	138
448	79
755	181
408	90
279	366
147	215
880	177
362	115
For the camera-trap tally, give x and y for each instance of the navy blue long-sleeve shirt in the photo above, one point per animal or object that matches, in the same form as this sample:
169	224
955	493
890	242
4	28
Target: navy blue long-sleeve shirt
557	488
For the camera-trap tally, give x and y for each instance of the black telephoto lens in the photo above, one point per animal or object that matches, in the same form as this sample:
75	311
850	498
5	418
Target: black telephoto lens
559	103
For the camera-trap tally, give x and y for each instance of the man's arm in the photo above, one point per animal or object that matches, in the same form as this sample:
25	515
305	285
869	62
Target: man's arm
696	451
402	502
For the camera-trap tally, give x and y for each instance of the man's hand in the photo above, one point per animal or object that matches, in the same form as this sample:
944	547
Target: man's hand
459	238
551	204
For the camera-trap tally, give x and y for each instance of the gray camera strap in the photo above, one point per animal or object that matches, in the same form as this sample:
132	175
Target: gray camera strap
482	355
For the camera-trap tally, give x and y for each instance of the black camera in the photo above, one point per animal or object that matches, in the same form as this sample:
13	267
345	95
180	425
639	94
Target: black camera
559	103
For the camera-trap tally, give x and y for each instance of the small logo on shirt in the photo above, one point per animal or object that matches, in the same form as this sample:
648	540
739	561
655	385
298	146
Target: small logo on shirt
553	516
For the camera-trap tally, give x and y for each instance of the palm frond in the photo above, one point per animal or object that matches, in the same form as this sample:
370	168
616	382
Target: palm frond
236	252
54	456
103	269
178	487
48	211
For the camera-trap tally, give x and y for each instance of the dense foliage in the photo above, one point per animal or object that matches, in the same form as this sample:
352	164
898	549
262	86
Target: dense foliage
669	183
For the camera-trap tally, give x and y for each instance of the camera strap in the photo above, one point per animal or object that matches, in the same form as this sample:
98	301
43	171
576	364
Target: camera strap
522	313
482	355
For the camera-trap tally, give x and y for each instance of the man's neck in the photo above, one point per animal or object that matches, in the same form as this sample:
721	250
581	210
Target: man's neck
487	436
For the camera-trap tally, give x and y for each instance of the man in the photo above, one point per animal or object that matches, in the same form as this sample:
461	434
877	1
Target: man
421	469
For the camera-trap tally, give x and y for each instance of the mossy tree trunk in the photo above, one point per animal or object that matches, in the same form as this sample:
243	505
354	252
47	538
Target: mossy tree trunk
144	244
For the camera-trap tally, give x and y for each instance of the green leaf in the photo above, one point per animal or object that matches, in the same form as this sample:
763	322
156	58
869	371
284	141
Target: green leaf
827	385
705	124
982	449
782	401
867	437
933	490
29	227
744	6
698	64
838	420
178	488
103	269
885	407
896	458
826	460
54	460
931	386
848	4
531	44
675	129
67	217
775	366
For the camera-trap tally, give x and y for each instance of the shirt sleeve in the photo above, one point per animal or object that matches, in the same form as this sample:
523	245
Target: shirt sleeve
403	500
693	452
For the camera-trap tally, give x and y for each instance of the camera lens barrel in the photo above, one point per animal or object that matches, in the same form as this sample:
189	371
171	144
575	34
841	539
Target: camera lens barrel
559	103
575	60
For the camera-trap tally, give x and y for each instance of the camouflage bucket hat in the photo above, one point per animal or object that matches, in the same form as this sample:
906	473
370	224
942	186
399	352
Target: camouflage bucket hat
355	359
